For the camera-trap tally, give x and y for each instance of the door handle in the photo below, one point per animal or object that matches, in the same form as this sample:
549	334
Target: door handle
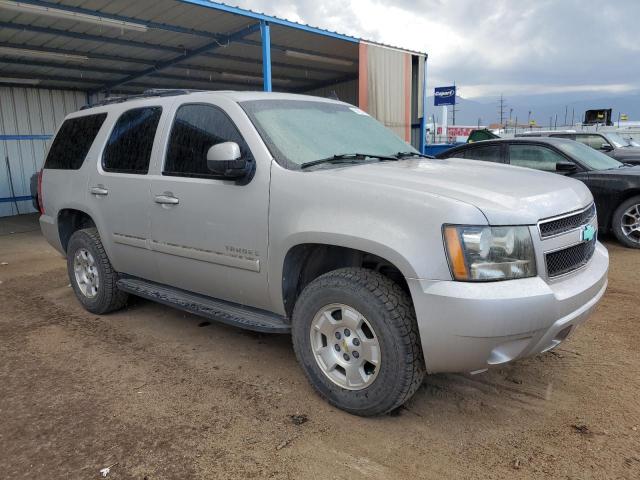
99	191
166	200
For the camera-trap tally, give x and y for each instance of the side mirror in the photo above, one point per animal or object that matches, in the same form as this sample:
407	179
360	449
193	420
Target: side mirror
566	167
605	147
224	160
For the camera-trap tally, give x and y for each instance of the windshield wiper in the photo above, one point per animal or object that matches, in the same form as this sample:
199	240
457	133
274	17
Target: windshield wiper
400	155
346	157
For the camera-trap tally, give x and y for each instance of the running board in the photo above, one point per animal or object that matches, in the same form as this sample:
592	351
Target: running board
219	310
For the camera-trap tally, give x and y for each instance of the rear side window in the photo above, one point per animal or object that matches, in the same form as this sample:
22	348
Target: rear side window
198	127
73	141
129	147
489	153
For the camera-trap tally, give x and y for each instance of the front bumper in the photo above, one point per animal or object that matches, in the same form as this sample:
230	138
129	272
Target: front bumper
466	327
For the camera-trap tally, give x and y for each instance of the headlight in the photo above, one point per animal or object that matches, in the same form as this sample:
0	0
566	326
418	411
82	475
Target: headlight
482	254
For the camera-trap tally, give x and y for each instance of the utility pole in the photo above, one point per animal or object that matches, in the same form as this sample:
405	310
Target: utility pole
555	125
510	114
455	105
502	106
573	111
566	110
529	120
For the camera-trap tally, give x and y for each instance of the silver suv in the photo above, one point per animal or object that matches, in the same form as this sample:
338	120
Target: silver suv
285	213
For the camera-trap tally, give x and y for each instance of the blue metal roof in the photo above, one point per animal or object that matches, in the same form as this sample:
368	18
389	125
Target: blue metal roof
271	19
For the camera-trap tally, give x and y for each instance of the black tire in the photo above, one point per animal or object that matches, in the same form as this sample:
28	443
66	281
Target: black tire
390	312
616	222
108	298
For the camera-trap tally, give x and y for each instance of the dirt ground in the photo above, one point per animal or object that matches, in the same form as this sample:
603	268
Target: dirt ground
158	394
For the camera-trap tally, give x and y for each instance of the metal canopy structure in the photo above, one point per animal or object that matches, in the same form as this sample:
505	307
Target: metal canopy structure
125	47
57	55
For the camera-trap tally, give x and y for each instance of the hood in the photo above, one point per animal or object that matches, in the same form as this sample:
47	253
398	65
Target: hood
632	172
626	153
506	195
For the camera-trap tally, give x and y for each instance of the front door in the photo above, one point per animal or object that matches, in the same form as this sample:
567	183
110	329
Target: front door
208	235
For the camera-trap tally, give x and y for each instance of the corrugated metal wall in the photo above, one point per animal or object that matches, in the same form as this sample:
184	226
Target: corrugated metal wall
345	91
26	115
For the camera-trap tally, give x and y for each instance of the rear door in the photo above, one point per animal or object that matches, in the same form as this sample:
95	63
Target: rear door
119	190
210	236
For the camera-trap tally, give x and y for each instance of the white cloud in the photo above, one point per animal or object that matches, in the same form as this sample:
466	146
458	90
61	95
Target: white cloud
492	47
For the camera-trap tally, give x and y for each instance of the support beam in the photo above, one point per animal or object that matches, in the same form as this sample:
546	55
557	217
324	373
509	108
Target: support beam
192	53
423	120
142	61
265	34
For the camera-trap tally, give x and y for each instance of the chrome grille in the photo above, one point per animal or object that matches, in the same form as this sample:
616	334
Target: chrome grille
549	228
569	259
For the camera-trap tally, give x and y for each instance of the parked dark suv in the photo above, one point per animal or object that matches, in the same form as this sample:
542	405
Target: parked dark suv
609	143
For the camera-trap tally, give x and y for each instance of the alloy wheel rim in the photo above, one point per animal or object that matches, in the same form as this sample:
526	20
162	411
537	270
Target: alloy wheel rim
86	273
345	346
630	223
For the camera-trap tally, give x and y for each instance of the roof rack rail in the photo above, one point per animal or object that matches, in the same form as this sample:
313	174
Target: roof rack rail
154	92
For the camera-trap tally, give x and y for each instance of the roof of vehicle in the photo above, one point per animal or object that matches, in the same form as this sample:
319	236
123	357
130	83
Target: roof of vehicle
158	96
527	139
535	133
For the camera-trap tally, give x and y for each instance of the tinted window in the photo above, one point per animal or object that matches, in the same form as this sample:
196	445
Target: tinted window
534	156
129	147
488	153
73	141
593	141
195	130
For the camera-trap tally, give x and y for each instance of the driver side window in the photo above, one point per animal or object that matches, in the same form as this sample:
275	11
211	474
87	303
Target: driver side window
534	156
593	141
196	128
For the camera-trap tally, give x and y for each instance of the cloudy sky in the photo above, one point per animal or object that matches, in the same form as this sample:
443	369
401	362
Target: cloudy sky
498	46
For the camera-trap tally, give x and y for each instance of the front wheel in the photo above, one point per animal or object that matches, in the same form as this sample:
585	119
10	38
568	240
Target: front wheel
626	223
355	335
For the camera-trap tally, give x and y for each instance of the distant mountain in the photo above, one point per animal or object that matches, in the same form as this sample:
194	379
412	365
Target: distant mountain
544	108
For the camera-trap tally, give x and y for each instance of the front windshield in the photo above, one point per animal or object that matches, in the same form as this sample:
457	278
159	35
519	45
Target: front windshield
617	140
589	157
300	131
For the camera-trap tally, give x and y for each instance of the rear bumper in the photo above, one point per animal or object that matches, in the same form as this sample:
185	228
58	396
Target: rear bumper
466	327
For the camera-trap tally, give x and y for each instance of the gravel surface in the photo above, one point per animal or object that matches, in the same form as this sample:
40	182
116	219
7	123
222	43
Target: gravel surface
154	393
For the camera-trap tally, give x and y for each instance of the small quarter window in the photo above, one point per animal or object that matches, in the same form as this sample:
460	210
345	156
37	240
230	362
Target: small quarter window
73	141
198	127
129	147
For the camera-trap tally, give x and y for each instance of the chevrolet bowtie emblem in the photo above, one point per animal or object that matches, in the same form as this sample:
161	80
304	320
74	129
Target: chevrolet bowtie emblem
588	233
345	346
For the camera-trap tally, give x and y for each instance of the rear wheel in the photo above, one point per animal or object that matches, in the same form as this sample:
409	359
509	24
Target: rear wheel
355	335
91	274
626	223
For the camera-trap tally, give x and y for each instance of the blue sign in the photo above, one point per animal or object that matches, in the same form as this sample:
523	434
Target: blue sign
444	96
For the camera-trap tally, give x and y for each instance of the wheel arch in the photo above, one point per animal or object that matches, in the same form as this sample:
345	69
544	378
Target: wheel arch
305	261
69	221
